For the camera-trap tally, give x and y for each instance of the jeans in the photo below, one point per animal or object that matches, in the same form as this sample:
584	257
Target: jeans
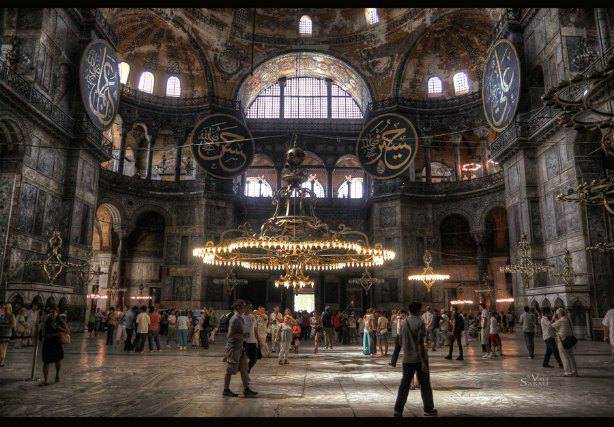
204	337
139	342
153	336
551	349
128	345
457	338
251	350
182	335
328	337
425	387
436	338
528	340
110	330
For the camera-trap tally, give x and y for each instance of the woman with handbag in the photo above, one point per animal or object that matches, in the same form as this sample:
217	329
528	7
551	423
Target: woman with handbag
56	335
565	342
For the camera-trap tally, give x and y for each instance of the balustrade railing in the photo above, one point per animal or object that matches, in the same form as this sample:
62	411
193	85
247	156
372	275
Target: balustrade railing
403	185
469	100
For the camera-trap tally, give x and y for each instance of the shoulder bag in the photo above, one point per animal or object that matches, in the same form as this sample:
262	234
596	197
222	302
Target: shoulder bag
570	341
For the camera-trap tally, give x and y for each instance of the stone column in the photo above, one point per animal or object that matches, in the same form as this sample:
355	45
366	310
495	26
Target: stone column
150	147
482	133
329	98
456	140
427	158
181	140
282	88
329	183
126	128
121	248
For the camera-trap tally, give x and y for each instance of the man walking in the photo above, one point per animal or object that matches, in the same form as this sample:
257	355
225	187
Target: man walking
415	361
548	334
528	322
235	356
327	325
458	326
129	324
142	329
250	343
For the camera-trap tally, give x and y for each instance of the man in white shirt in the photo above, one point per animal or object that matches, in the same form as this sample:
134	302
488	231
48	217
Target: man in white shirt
142	328
276	319
608	331
427	318
528	322
484	328
250	343
548	333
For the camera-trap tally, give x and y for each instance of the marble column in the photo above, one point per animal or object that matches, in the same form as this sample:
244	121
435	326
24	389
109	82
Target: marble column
427	158
456	140
482	133
603	29
121	248
282	87
329	183
150	149
126	128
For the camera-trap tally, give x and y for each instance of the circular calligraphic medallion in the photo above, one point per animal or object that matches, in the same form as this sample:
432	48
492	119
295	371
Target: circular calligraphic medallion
100	87
501	85
222	145
387	145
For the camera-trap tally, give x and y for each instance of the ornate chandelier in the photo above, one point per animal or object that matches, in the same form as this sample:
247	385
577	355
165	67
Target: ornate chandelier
230	282
428	276
568	275
526	266
295	278
366	281
294	239
598	192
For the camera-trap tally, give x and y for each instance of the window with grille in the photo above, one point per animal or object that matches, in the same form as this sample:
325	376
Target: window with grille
434	86
461	85
304	98
146	82
173	86
258	187
304	25
315	186
351	189
372	16
124	71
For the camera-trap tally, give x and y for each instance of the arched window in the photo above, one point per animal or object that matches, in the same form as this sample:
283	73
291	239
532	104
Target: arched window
304	98
350	189
371	15
461	85
304	25
173	86
146	82
258	187
434	86
124	71
315	186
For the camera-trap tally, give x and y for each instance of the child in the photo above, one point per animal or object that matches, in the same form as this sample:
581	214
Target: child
296	337
495	339
284	336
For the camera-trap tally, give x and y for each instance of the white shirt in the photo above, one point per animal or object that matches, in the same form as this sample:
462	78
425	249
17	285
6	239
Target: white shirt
494	326
142	323
427	318
484	319
608	320
547	329
248	328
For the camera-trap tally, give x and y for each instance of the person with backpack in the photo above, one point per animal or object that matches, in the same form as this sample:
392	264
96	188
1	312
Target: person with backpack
565	342
410	339
457	328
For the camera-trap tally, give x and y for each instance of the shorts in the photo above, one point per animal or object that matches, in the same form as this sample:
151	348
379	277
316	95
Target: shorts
383	335
233	356
495	340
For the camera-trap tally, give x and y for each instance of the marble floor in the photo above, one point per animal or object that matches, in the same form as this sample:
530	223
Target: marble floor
100	381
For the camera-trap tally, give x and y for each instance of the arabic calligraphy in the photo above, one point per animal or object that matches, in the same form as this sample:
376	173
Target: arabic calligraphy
501	87
99	74
387	145
222	145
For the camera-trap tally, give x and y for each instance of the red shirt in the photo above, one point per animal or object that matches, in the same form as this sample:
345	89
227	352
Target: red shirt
296	331
155	321
336	321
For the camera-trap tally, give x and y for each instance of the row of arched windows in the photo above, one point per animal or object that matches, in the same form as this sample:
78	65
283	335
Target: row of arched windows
460	80
349	189
147	80
305	27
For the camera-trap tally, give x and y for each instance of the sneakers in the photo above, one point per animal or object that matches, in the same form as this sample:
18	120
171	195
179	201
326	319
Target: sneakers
431	413
547	366
249	392
229	393
485	355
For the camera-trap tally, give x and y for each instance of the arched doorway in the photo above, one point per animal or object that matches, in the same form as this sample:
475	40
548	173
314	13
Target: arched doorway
457	244
11	145
497	251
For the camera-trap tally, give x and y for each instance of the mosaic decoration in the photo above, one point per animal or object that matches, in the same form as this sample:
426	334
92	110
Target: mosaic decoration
222	145
99	75
501	85
387	145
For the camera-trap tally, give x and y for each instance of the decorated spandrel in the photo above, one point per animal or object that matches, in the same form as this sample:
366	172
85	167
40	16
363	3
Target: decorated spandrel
100	87
222	145
501	85
387	145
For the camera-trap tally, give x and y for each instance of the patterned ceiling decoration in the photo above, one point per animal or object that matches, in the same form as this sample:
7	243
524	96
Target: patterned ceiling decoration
149	43
456	42
304	64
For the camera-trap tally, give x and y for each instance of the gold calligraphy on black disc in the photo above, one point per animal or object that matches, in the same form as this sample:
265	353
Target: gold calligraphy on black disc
501	85
387	145
222	145
100	86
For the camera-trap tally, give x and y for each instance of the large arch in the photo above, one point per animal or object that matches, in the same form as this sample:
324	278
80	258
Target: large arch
457	244
298	63
12	138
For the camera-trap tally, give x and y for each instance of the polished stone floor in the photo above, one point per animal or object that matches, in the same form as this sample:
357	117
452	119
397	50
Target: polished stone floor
100	381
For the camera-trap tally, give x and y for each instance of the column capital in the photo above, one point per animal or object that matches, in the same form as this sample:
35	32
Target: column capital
456	138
